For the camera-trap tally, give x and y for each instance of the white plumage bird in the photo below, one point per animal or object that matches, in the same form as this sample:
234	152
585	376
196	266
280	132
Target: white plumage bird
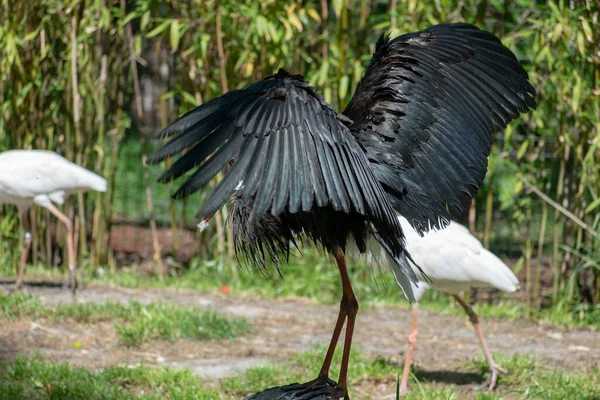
41	177
454	260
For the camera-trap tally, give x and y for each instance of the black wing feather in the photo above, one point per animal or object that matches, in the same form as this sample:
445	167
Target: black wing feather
282	184
425	112
289	151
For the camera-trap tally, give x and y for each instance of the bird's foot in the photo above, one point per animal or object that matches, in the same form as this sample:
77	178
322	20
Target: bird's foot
72	284
402	390
490	383
321	388
19	287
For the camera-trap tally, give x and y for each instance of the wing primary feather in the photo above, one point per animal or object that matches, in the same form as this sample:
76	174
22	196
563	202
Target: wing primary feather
349	179
256	170
211	167
338	186
281	188
199	113
197	154
230	181
296	181
307	185
264	195
315	166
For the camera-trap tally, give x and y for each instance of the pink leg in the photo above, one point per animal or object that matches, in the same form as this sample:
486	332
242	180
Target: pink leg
490	383
26	247
70	246
412	339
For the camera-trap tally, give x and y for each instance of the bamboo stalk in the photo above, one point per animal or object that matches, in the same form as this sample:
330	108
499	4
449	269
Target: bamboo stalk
540	252
222	59
325	31
364	5
155	243
48	234
34	237
559	208
342	43
528	251
393	12
489	212
98	227
555	233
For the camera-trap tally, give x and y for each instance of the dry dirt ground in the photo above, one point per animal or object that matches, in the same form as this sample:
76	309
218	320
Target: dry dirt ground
284	327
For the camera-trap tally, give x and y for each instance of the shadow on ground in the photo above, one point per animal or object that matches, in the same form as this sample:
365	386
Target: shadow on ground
449	377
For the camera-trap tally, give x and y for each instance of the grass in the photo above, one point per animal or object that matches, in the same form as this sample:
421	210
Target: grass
35	378
135	323
304	366
314	277
526	378
534	381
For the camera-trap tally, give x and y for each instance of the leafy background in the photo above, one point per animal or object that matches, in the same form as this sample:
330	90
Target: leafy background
94	79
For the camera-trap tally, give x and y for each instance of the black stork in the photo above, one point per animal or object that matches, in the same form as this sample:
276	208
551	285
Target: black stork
415	138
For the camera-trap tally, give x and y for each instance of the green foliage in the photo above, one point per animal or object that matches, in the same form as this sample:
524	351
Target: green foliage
34	378
535	381
304	366
315	277
20	305
70	79
526	378
164	321
134	322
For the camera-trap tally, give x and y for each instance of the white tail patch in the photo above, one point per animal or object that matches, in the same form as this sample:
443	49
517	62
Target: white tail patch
239	186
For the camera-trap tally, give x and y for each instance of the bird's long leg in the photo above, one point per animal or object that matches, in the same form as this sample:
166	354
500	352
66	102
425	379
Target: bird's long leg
322	385
334	340
494	368
350	306
412	339
70	247
26	247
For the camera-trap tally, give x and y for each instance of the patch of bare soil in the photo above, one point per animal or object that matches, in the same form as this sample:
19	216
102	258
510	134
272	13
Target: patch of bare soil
284	327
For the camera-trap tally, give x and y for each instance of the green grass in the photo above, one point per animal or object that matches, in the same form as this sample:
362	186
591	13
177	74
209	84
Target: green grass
535	381
305	366
314	277
35	378
526	378
135	323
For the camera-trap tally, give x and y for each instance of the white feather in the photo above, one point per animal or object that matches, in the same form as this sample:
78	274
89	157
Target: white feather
376	256
240	185
39	177
455	260
203	225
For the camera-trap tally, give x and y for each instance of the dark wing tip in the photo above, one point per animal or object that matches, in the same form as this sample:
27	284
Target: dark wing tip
156	158
284	75
166	132
183	192
383	40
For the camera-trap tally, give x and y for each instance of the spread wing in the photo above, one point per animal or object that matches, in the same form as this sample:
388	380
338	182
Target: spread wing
287	150
425	112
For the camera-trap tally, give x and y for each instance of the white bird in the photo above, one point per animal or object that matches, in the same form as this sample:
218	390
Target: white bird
41	177
453	260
